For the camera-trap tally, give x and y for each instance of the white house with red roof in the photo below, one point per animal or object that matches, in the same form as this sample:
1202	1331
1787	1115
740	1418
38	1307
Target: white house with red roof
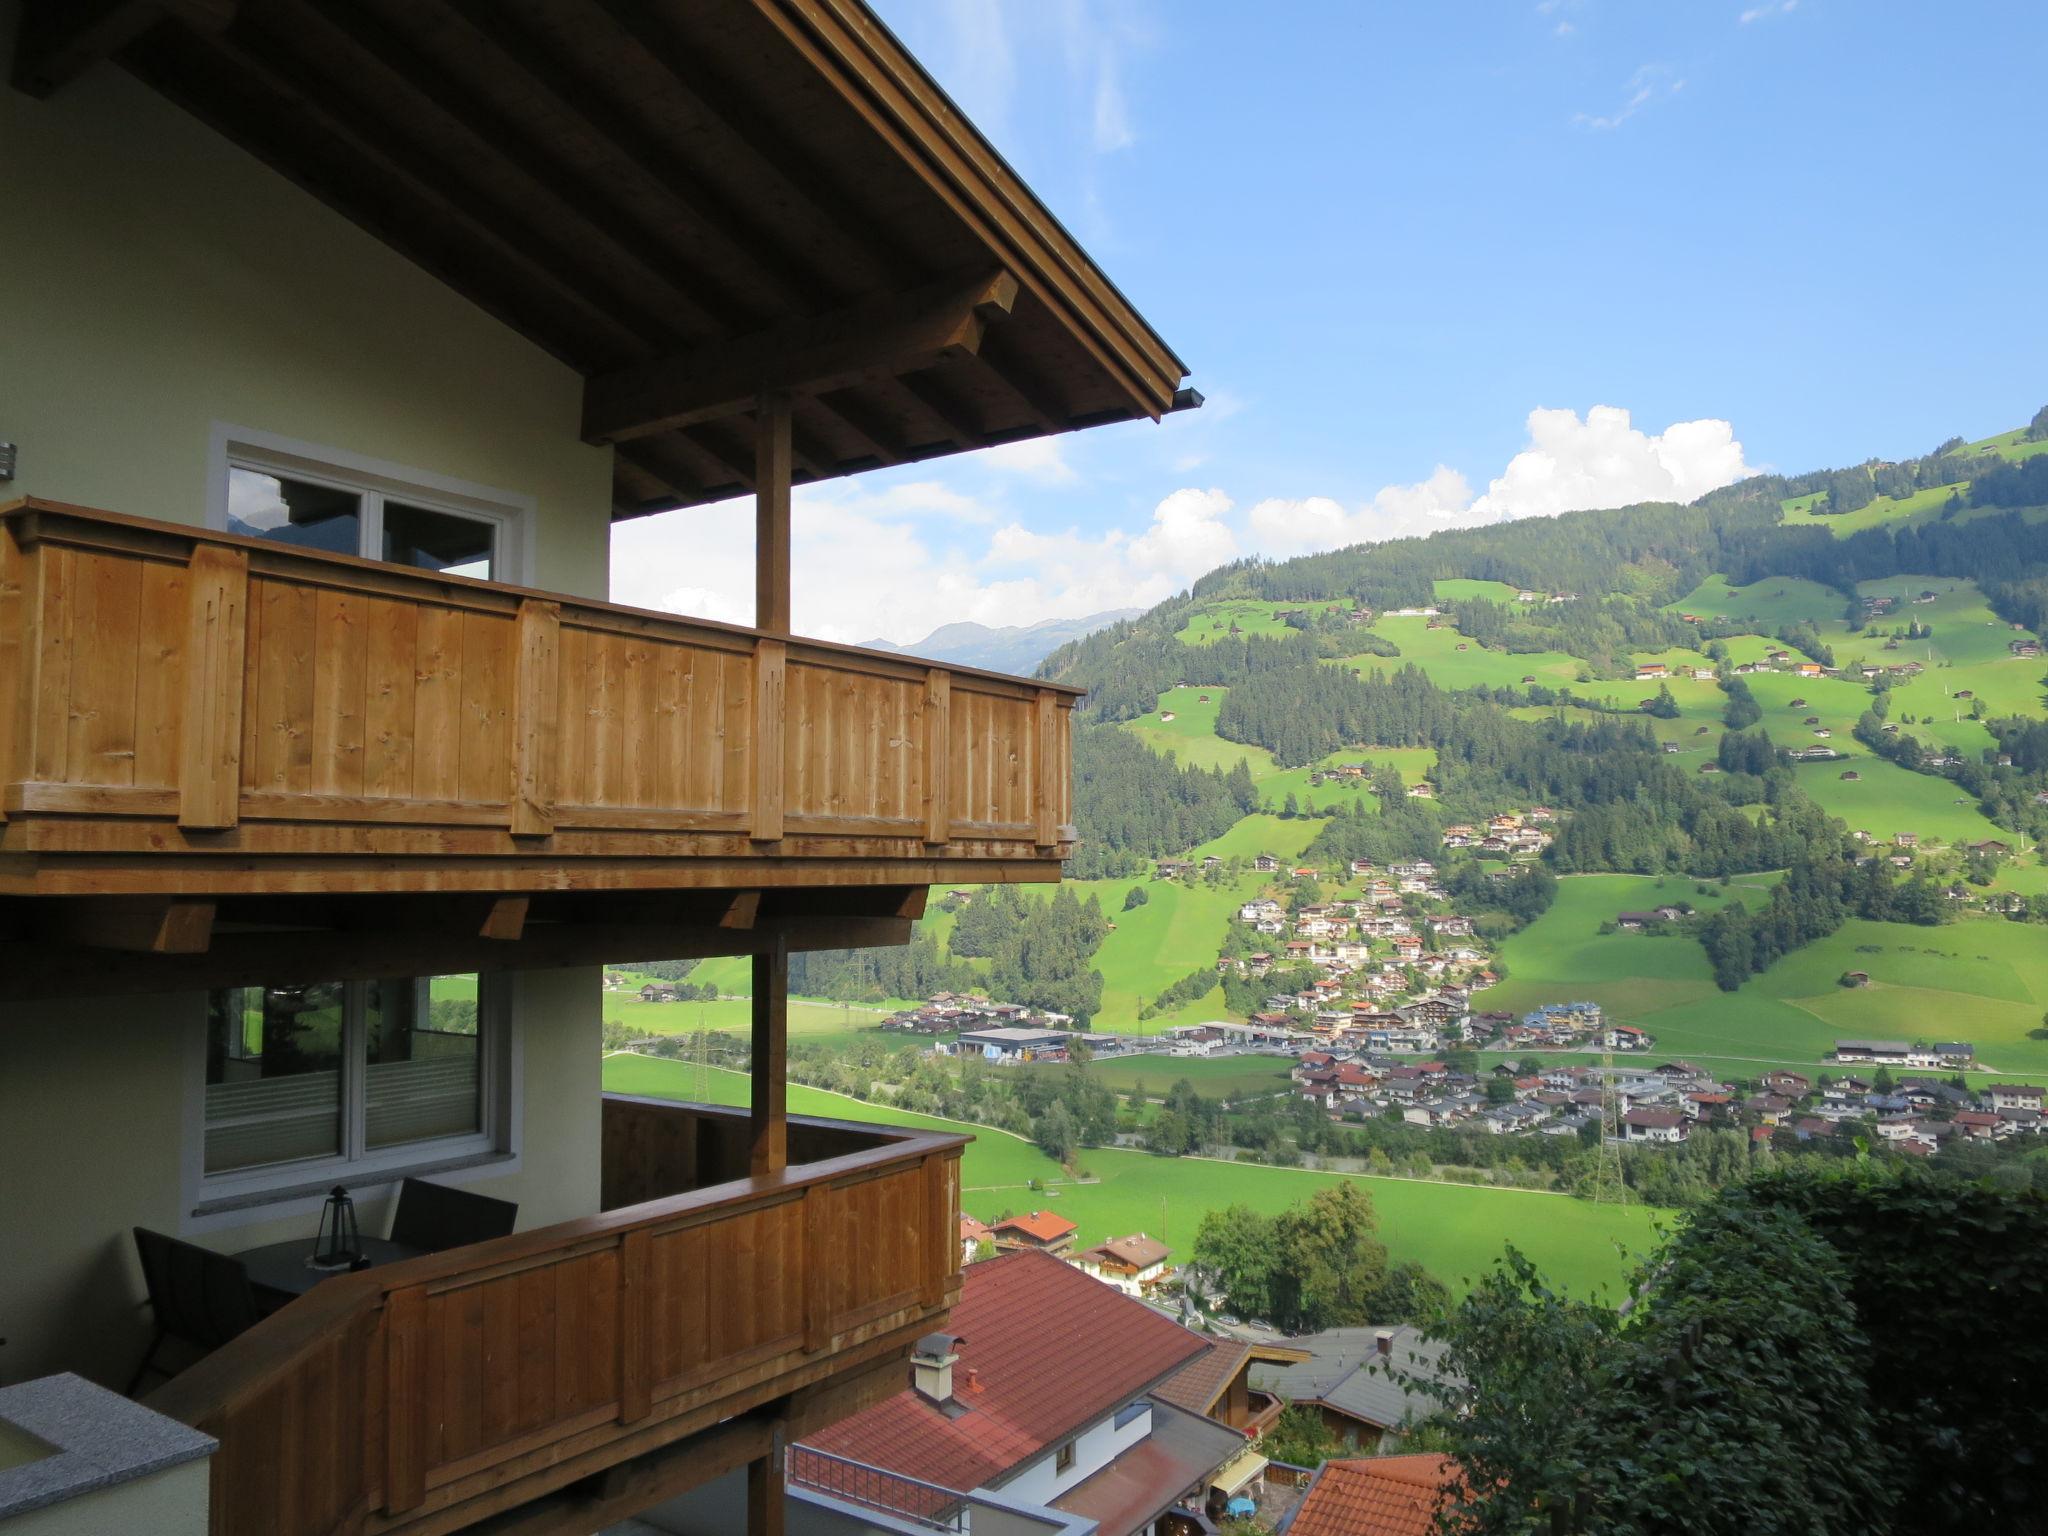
1042	1395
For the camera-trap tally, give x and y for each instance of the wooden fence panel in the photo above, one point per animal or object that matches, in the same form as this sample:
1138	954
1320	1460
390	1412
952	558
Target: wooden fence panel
319	708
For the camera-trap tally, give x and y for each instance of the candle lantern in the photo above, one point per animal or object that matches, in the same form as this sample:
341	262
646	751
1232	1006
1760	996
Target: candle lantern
337	1245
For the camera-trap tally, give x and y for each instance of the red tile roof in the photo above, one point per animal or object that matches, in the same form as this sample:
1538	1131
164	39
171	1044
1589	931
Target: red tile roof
1375	1496
1044	1349
972	1230
1042	1226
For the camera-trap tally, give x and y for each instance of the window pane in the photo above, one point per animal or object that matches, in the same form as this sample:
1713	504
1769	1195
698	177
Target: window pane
439	541
273	1075
424	1060
287	511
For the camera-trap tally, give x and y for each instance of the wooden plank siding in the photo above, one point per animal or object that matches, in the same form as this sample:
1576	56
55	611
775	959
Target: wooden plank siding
418	1396
193	713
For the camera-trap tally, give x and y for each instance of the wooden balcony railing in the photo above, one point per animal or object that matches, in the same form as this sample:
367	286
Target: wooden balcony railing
184	712
428	1395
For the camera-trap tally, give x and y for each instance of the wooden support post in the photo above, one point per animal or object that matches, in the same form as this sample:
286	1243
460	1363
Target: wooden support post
820	1272
938	755
536	723
772	465
770	1118
741	911
405	1399
217	637
1046	779
636	1325
765	1492
771	662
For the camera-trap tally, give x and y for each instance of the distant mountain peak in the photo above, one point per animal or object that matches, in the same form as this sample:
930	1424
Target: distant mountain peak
1012	648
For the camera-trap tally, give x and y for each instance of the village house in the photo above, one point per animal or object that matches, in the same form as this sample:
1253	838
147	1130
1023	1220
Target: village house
1039	1414
1132	1264
1039	1231
1654	1125
1354	1379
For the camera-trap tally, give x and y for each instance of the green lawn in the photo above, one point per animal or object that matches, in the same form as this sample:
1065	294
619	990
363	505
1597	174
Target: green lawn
1980	979
1191	734
1436	652
1178	930
2012	445
1277	784
1769	604
1226	1077
1259	833
1917	507
1562	956
1452	589
1455	1231
733	1014
1211	622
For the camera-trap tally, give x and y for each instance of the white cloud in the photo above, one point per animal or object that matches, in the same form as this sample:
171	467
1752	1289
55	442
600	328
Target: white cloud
1606	461
868	565
1316	522
1570	464
1037	459
1651	83
1773	8
899	561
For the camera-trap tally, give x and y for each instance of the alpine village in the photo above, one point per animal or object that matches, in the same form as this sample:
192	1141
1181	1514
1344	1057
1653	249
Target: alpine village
1532	1026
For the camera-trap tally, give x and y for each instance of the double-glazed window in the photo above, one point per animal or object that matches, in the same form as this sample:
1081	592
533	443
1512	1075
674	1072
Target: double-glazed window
300	494
323	1081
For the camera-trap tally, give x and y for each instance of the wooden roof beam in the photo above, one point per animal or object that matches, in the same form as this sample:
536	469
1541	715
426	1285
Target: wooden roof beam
955	421
686	290
737	234
878	337
306	101
724	106
58	40
1048	412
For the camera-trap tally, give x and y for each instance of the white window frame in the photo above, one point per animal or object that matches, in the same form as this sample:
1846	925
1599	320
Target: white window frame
510	514
244	1194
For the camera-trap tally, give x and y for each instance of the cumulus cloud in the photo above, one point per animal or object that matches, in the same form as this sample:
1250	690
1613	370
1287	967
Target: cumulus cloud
1570	464
1606	461
880	565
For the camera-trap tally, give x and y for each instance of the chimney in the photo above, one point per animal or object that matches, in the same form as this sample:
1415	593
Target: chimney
1383	1342
931	1367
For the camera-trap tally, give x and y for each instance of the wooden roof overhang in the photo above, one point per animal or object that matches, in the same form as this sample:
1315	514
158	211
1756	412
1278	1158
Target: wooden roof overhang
693	203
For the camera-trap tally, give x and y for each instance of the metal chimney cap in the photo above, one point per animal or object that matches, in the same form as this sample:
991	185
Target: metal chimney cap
935	1346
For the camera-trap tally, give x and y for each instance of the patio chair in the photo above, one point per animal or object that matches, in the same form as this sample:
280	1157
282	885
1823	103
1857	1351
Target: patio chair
198	1297
433	1217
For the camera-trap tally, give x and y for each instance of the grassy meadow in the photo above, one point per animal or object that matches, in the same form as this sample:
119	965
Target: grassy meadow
1455	1231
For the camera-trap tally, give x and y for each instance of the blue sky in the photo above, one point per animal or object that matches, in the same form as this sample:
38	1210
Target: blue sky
1382	235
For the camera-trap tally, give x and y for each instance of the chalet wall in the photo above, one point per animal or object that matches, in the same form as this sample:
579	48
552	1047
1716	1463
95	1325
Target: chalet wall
158	280
92	1115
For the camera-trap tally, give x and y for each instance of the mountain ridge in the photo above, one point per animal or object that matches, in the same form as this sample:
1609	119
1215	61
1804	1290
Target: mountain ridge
1009	648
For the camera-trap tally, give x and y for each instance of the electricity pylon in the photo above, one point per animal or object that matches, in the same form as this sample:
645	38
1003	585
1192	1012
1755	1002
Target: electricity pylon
1608	1185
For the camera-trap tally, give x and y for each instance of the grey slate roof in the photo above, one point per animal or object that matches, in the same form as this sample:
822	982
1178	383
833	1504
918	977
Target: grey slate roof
1346	1371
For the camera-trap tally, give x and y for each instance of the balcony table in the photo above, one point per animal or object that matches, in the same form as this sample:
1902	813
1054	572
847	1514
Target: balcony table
280	1270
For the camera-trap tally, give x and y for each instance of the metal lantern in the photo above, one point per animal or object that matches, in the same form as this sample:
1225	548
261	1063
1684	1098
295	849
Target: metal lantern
338	1245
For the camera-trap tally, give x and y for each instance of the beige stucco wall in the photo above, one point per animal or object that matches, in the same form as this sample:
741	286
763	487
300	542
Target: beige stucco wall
167	1503
94	1109
156	280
